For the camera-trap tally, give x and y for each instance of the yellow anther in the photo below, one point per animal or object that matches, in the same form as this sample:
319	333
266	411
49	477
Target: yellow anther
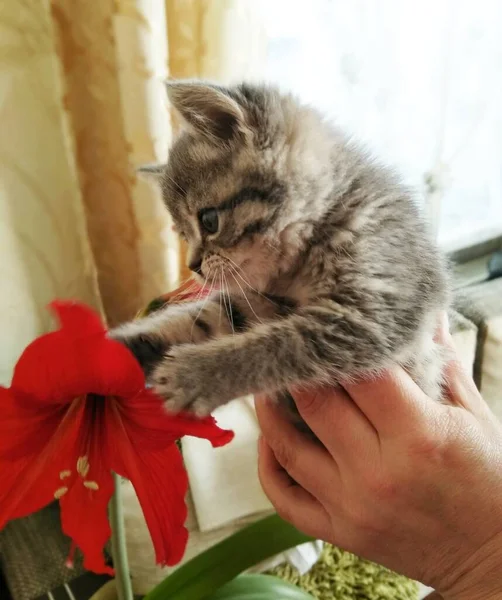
64	474
91	485
60	492
83	466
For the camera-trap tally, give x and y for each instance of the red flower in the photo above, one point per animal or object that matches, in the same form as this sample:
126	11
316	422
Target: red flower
78	409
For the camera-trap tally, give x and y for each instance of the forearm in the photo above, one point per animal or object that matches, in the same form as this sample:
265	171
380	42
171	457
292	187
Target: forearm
174	322
152	337
306	347
311	345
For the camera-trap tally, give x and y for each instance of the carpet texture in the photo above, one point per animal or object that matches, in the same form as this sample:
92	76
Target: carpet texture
339	575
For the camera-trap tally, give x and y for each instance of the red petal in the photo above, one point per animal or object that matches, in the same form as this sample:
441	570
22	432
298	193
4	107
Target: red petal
84	516
151	426
77	319
207	429
84	509
140	445
76	360
33	454
21	495
39	452
161	483
25	430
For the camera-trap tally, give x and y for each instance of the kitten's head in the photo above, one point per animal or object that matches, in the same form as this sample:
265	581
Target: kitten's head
245	180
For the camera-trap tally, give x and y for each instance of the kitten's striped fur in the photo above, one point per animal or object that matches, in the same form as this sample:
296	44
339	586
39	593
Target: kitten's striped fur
330	269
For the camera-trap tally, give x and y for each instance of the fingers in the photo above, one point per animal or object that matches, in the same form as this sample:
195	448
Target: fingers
443	329
292	502
307	462
339	424
392	402
460	387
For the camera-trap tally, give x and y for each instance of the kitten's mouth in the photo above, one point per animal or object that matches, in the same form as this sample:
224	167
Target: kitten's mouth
211	281
214	286
219	281
222	274
221	269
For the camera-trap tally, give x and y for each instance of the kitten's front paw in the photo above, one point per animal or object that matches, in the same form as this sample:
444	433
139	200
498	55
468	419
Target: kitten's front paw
148	350
183	386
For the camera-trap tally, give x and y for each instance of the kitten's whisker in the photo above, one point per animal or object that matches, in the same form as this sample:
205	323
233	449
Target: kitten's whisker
244	281
222	296
184	291
229	313
175	183
237	268
186	280
246	299
198	298
200	292
220	299
270	242
238	272
204	302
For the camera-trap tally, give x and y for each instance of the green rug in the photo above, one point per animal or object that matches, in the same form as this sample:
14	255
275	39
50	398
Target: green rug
339	575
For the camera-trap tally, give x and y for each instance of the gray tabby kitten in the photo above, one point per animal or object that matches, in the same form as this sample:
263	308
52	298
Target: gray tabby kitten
323	268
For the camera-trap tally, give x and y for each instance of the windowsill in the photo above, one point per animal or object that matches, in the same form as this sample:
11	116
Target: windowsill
471	263
468	241
470	272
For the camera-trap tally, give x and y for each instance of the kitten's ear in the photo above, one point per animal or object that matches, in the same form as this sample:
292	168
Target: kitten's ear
208	109
151	172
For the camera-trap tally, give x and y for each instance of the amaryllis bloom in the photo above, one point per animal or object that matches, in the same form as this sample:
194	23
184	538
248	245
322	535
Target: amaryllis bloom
78	409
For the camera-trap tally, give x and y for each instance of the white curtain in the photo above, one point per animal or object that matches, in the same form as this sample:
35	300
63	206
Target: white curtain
418	82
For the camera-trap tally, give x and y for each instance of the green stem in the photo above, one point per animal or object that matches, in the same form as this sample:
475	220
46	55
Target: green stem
119	549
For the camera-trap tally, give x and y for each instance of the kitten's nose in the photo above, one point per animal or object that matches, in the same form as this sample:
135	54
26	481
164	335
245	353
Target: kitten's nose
196	265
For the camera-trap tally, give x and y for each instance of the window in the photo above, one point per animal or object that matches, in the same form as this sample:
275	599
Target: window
418	82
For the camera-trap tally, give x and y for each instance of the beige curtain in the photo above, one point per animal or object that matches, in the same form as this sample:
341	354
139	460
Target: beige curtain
82	105
220	40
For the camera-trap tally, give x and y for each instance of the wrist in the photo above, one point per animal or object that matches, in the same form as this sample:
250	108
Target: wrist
479	577
473	595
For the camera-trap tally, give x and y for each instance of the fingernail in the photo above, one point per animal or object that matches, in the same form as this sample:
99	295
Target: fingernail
442	334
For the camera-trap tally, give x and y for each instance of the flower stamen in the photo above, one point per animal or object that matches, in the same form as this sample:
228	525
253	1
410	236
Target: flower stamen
64	474
83	466
91	485
60	492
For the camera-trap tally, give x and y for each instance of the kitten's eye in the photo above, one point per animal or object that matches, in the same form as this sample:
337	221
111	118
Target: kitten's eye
209	220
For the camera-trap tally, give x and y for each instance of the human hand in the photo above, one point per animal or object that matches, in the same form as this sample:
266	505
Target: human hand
396	478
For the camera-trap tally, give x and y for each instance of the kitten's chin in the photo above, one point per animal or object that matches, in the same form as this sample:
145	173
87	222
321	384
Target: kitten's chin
257	277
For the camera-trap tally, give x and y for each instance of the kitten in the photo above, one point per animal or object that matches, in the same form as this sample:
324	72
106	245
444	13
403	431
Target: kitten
322	268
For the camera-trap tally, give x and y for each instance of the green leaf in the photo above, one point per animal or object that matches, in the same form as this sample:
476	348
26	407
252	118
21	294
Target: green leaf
207	572
259	587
